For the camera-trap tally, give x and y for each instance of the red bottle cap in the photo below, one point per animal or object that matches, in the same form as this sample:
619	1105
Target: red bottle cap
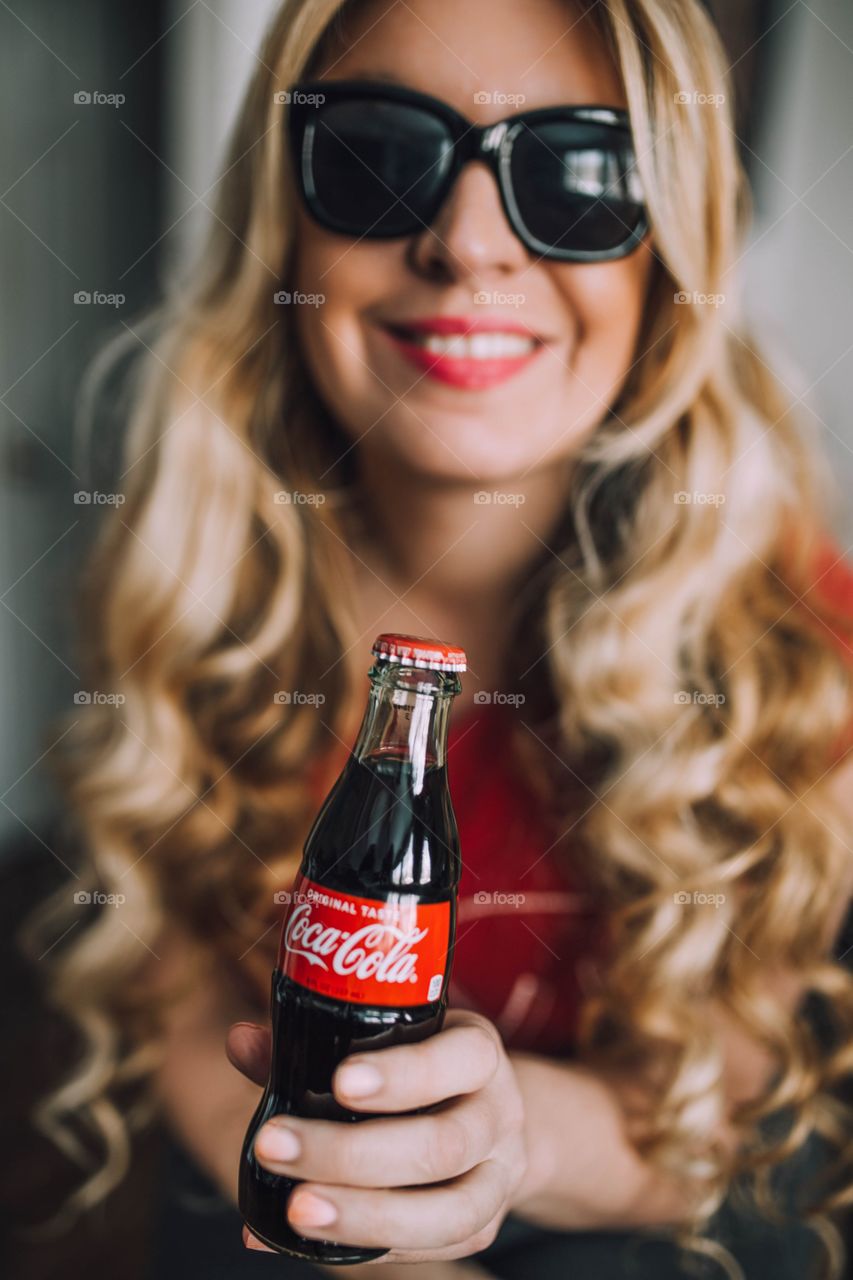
414	651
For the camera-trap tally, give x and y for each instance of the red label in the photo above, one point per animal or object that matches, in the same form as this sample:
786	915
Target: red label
365	950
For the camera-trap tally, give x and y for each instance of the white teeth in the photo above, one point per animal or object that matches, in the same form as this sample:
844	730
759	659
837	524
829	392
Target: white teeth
477	346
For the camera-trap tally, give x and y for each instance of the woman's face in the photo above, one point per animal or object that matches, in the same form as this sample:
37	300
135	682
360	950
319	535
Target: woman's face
587	315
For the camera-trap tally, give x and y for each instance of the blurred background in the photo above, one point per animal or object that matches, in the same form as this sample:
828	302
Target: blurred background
116	118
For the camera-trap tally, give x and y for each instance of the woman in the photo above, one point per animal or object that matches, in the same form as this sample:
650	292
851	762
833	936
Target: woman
608	504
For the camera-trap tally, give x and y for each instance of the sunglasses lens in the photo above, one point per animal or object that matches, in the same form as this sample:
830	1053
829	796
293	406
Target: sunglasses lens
576	186
374	168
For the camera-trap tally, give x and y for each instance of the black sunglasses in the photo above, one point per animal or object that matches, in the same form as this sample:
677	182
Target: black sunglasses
377	160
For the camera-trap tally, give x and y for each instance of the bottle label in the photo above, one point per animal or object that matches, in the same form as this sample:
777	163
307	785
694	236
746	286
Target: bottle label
365	950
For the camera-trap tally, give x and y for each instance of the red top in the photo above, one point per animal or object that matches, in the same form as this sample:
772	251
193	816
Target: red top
526	932
834	583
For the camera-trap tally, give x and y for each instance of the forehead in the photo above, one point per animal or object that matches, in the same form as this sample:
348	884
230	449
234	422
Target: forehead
544	50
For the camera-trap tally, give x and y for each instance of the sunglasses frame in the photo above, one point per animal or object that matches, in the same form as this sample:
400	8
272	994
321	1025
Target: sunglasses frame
491	143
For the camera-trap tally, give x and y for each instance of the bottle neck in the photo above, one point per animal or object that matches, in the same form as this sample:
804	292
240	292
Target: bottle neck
407	717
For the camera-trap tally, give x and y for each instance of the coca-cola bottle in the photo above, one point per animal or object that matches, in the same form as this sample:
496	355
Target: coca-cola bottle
367	939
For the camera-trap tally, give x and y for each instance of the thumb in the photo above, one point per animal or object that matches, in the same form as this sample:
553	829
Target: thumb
248	1048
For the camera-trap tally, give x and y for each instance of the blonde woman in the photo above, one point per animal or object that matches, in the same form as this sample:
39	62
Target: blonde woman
461	358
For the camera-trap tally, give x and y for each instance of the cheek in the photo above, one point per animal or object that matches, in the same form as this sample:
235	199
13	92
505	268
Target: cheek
353	282
607	299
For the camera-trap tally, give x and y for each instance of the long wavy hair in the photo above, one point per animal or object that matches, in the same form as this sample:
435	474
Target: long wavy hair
695	694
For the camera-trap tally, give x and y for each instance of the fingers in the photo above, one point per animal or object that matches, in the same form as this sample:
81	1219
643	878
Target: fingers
430	1218
461	1058
409	1151
248	1047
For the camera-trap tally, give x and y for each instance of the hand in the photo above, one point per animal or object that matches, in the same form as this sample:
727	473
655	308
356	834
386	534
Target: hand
425	1187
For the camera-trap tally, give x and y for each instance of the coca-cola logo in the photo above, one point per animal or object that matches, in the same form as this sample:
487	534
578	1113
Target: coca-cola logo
361	953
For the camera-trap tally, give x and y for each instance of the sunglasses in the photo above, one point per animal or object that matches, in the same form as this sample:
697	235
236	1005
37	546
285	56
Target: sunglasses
378	160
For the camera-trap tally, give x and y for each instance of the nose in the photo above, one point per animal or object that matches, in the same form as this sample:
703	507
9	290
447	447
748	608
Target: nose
470	236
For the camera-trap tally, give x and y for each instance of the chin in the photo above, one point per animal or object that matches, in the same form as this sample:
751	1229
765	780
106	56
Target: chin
467	452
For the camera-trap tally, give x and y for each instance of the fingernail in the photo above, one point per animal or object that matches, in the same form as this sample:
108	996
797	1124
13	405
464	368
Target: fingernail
359	1080
279	1143
309	1210
251	1242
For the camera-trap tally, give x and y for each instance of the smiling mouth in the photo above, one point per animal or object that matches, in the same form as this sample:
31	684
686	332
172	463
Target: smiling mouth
468	360
496	345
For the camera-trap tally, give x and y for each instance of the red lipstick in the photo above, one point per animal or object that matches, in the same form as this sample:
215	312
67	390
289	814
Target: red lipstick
464	369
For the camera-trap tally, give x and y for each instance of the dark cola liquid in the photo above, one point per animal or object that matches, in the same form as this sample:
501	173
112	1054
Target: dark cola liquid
372	836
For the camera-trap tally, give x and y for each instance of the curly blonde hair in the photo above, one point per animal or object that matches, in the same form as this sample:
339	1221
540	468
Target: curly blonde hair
698	692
